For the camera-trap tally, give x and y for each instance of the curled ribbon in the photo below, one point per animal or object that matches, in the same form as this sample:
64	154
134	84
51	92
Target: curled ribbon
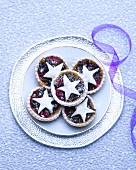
113	66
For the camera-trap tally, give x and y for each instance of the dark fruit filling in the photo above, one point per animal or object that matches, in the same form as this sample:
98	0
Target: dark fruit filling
59	83
45	113
43	68
78	119
91	65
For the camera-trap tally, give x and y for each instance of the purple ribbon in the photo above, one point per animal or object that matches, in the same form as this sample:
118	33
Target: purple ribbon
113	66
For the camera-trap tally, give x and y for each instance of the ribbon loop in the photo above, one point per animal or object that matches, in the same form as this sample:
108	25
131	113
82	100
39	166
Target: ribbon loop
107	48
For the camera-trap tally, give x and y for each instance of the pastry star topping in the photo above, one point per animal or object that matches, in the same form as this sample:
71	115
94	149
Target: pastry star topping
82	110
88	75
45	102
69	87
53	71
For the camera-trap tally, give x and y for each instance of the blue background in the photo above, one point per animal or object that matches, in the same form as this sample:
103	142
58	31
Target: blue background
25	23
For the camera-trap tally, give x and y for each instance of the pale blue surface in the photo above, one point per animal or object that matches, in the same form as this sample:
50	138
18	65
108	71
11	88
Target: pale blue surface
25	23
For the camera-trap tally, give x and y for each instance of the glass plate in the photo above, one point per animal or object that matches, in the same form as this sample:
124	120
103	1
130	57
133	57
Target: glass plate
58	133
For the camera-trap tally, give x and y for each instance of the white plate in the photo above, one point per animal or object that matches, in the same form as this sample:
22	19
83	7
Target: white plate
101	98
23	79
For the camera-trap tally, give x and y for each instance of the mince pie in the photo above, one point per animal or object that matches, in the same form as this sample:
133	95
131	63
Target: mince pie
69	88
80	115
48	68
92	72
42	105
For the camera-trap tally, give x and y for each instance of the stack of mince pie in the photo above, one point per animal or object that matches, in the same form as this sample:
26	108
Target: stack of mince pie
65	90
